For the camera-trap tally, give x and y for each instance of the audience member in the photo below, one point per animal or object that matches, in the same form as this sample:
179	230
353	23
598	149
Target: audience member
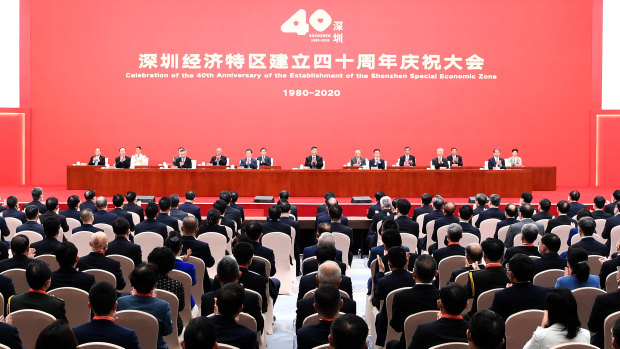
163	259
22	254
197	248
57	335
529	234
526	211
67	275
72	211
348	331
151	224
577	273
97	259
200	333
87	218
548	248
121	244
49	244
327	303
604	305
492	276
229	303
486	331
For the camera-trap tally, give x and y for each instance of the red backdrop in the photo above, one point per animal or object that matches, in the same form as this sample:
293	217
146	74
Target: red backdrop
541	101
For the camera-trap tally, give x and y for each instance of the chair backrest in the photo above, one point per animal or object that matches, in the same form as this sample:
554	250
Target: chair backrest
461	279
12	223
562	232
420	220
373	267
447	266
267	264
502	232
229	232
226	346
412	322
430	226
18	276
485	299
391	332
467	239
576	238
135	217
611	282
474	219
442	232
260	298
544	222
409	240
186	280
81	240
451	345
520	326
585	300
30	323
102	275
145	325
107	229
148	241
548	278
600	225
76	304
574	346
247	320
323	346
217	245
72	223
594	261
127	267
169	229
343	242
172	299
516	241
50	260
487	228
99	345
280	243
313	319
33	236
1	304
614	236
197	288
609	323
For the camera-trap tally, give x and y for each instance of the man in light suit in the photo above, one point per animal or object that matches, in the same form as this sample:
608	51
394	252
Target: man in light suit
439	161
249	162
313	160
122	161
97	159
526	211
407	159
358	160
218	159
182	161
496	162
377	162
455	159
263	159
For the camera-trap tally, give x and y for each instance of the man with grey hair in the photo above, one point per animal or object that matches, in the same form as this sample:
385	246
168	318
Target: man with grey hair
587	226
87	222
358	160
386	211
325	239
455	233
102	215
439	161
493	211
97	259
473	254
175	212
529	234
436	214
198	248
526	211
329	274
37	200
227	273
481	202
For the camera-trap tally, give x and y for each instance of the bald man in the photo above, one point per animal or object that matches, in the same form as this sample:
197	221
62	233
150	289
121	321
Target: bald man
473	254
97	259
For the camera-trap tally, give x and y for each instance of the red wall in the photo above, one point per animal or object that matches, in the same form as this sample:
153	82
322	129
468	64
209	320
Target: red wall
541	102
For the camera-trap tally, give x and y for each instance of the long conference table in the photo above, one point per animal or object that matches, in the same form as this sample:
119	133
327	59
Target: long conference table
398	182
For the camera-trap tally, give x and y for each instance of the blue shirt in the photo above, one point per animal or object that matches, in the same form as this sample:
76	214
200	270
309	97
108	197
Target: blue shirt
190	270
570	282
158	308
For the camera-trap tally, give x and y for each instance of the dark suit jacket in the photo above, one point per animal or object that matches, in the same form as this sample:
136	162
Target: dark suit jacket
458	161
604	305
37	203
255	282
267	253
61	219
574	208
191	208
104	217
312	265
238	208
6	289
9	336
607	268
126	248
135	208
407	225
233	214
542	215
437	165
401	160
506	222
561	220
244	163
250	305
265	162
434	215
122	164
611	223
417	299
448	251
484	280
95	260
19	261
386	284
206	228
168	220
593	247
501	163
14	213
321	209
221	162
45	246
478	210
438	332
317	165
378	217
86	227
178	214
31	225
310	251
440	222
596	214
491	212
312	336
548	261
187	163
611	208
354	161
88	205
124	214
4	251
230	332
518	297
468	228
459	271
324	218
4	229
372	209
527	250
276	226
338	227
309	283
70	277
38	301
421	210
71	213
377	164
100	162
305	308
201	250
108	332
152	226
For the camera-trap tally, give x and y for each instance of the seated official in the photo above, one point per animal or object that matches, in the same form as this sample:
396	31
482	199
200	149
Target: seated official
97	159
144	280
465	214
322	209
586	227
377	162
405	224
22	254
163	259
97	259
189	207
611	223
118	200
212	224
336	219
9	336
234	197
121	244
526	211
13	211
229	212
372	209
563	218
486	330
198	248
577	274
72	212
327	303
529	234
229	302
139	159
313	160
102	299
174	243
37	197
102	215
132	206
324	252
604	305
480	206
254	232
49	244
522	295
200	333
52	212
440	161
455	233
584	212
598	213
67	275
122	161
544	206
274	224
38	276
454	158
165	204
175	211
89	196
496	162
263	159
514	160
492	276
324	217
32	216
218	159
182	160
510	211
450	327
610	266
391	238
548	248
575	205
448	219
243	253
310	282
407	159
492	212
437	213
473	255
386	211
349	331
228	272
151	224
324	238
615	199
87	218
248	161
358	160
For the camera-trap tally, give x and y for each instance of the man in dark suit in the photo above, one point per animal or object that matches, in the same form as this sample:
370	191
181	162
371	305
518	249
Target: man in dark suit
529	233
575	205
309	282
335	215
52	212
522	295
544	206
182	161
609	266
328	303
89	196
97	159
324	252
12	209
97	259
72	212
563	218
175	211
425	208
481	202
218	159
372	209
287	219
439	161
407	159
22	254
37	197
165	204
121	244
122	161
465	214
87	223
405	224
32	215
358	160
598	213
313	160
437	213
243	253
377	162
587	226
611	223
455	233
454	158
492	212
67	275
450	327
228	272
496	162
231	212
254	232
248	161
604	305
263	159
284	196
49	244
234	196
322	239
229	305
150	224
131	206
38	275
322	209
421	297
525	214
323	217
102	215
118	200
447	219
549	246
199	249
510	213
102	300
493	275
189	207
6	289
473	254
274	224
221	206
329	273
9	336
611	207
